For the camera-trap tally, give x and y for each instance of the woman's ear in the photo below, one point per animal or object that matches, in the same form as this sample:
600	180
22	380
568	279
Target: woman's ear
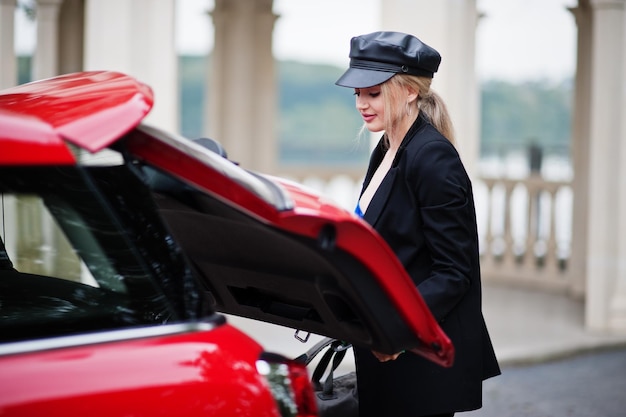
412	94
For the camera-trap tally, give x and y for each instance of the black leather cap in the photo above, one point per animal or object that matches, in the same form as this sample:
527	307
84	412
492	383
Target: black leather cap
378	56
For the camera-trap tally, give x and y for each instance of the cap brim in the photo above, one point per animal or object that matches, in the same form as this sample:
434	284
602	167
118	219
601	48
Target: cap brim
363	78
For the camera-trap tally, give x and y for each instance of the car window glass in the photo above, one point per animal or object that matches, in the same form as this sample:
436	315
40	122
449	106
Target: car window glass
68	264
43	248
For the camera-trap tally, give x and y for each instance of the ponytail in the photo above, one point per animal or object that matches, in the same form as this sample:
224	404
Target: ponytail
436	110
428	102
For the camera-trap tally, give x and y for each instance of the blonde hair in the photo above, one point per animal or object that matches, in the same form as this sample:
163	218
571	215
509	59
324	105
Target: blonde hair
427	101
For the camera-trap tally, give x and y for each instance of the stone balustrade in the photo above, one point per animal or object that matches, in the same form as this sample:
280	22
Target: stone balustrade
525	231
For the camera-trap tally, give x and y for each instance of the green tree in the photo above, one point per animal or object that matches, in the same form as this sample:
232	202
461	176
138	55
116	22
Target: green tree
318	124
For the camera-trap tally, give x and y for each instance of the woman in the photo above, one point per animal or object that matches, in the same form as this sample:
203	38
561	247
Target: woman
417	195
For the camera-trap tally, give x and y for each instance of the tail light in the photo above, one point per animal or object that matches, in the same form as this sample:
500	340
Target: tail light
290	385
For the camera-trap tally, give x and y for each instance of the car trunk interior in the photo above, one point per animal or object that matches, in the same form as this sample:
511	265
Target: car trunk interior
254	270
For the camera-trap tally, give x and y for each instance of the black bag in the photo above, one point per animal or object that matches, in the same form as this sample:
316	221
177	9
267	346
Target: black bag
336	397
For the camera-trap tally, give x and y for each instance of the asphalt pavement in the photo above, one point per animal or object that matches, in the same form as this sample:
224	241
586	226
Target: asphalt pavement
588	384
551	365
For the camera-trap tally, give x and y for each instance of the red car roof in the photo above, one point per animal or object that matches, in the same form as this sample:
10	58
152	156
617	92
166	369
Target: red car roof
89	109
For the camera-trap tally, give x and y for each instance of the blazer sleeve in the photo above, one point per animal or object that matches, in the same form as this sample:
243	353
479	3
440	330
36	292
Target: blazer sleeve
444	197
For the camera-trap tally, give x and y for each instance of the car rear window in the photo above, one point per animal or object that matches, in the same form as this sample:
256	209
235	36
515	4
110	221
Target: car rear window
71	260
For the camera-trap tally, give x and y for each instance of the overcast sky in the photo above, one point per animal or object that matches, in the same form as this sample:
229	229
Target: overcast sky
516	40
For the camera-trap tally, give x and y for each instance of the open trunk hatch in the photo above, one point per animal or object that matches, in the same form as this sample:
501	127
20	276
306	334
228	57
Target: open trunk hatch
297	263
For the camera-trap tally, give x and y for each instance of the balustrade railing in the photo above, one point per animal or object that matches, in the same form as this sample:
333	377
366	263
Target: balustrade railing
525	230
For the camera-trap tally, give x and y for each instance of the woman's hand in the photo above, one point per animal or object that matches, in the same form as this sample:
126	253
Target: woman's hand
383	357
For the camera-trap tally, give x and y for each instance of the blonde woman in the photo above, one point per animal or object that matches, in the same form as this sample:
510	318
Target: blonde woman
418	196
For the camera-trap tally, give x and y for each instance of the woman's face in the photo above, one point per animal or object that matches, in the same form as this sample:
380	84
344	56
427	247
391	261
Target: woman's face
369	102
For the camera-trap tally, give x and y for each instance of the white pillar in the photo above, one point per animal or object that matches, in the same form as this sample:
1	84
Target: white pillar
462	92
137	38
71	36
618	303
606	246
8	59
580	149
241	112
450	28
46	57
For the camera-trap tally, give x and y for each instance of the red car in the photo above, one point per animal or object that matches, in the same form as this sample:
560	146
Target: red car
122	245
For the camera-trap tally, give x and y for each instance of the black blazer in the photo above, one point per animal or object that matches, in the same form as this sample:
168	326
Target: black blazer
424	209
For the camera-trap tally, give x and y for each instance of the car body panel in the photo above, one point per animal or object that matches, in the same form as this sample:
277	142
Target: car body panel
28	140
141	377
89	109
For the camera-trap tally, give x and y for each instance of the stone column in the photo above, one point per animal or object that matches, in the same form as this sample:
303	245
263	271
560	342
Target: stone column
580	149
606	244
462	87
617	309
8	59
451	29
137	38
46	57
241	92
71	36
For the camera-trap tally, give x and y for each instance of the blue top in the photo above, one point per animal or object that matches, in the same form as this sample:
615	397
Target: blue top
357	210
